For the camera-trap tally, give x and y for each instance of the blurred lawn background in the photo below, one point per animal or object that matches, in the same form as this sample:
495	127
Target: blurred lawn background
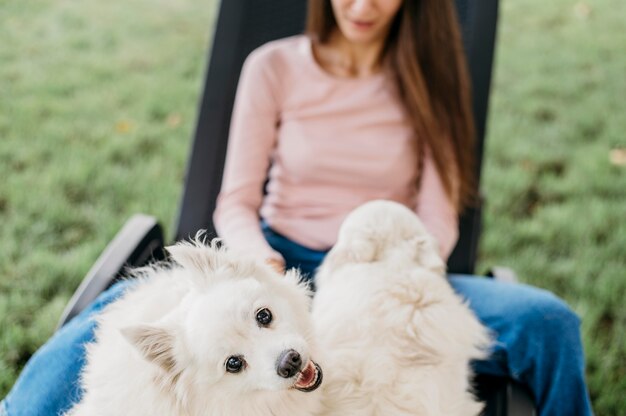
98	103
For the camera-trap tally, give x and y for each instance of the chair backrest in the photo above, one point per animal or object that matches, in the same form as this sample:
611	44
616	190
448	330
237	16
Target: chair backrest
242	26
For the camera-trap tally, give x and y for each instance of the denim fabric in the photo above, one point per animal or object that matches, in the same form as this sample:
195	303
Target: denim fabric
48	385
295	255
538	343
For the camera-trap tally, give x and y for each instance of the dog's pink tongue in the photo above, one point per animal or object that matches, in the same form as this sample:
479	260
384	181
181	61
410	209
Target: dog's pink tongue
310	378
307	375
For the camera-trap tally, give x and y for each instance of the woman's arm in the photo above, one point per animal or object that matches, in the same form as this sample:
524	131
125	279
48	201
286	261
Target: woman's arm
436	209
250	146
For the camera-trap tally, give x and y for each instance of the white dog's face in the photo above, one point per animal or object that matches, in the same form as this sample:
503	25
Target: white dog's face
243	330
246	336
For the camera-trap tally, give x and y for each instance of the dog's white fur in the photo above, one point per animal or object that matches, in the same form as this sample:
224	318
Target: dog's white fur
396	338
161	348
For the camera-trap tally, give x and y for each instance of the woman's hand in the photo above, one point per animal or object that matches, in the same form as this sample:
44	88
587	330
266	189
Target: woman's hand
276	264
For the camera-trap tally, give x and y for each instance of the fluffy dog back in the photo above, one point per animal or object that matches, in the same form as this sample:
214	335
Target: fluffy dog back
201	336
398	340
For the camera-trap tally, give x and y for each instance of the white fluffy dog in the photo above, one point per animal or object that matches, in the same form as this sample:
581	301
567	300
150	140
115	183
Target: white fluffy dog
212	335
396	338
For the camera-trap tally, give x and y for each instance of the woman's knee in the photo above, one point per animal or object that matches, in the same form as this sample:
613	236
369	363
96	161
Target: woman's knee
547	316
518	312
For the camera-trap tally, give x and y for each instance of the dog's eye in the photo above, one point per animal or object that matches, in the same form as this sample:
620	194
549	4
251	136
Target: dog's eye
235	364
264	317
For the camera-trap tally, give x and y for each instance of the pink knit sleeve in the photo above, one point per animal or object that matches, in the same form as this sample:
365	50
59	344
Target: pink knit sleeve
251	143
436	210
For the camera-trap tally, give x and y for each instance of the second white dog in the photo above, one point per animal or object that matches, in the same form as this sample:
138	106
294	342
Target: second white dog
396	338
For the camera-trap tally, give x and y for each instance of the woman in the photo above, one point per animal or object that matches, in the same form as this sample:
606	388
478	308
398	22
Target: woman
372	103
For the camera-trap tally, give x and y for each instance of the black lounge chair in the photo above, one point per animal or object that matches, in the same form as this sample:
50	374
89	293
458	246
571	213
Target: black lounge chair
242	26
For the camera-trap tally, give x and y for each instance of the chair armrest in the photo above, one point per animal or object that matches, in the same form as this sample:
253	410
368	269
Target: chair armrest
138	242
503	274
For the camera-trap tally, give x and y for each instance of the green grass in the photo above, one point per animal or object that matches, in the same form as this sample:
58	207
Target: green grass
97	104
556	205
98	101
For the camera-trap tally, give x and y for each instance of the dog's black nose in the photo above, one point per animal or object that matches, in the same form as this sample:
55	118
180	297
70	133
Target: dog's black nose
289	363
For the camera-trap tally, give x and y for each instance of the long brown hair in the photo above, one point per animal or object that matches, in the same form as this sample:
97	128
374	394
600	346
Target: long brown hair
425	55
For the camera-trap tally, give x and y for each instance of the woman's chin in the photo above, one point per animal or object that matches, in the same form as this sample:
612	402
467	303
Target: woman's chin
361	37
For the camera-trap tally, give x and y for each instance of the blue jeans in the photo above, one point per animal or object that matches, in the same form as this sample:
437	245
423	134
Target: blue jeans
48	385
538	343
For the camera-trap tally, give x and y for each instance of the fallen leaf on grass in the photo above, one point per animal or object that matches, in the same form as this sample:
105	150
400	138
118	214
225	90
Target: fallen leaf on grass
582	10
173	120
123	126
618	156
527	165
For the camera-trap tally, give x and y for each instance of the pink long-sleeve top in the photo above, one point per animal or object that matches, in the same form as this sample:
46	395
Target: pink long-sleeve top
326	144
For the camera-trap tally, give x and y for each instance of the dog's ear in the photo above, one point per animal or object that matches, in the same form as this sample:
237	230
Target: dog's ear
294	278
195	256
357	250
427	254
154	343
